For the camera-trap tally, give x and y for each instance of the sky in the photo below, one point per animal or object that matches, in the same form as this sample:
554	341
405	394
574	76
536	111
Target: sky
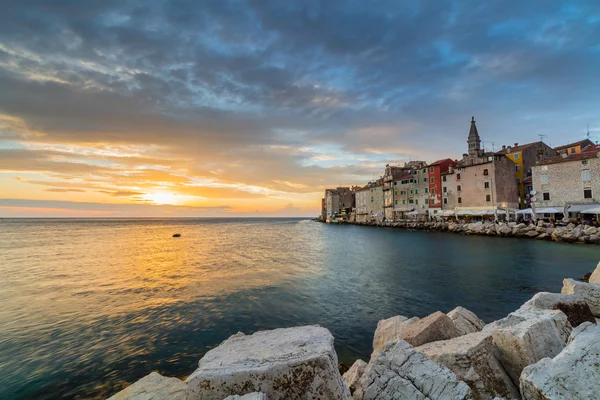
131	108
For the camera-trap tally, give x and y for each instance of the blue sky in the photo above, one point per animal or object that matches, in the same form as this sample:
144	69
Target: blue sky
254	107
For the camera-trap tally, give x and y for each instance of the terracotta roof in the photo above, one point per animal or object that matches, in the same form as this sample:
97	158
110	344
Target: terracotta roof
580	143
590	152
515	149
439	162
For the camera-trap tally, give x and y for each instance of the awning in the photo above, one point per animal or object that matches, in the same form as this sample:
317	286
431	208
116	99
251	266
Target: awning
527	211
413	213
583	207
464	212
547	211
447	213
592	211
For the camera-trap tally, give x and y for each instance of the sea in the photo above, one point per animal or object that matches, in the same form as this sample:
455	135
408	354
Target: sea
89	306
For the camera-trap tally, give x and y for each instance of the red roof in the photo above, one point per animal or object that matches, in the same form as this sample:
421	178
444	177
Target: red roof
515	149
580	143
590	152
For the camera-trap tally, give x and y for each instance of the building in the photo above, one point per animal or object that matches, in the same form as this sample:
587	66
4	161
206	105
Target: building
569	182
524	157
323	209
449	193
339	202
391	175
484	180
332	203
376	201
574	148
363	203
436	169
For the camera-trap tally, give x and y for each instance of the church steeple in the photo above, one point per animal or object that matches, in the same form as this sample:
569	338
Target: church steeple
474	141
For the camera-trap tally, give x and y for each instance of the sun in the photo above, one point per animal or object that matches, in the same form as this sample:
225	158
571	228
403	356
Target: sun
161	198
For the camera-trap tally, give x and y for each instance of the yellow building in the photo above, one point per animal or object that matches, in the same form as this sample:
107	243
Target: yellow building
524	157
574	148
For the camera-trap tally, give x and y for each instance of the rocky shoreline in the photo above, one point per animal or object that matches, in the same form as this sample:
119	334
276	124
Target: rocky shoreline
571	233
547	349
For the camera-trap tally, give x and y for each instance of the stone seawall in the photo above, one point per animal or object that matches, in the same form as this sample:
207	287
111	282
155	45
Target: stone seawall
583	234
547	349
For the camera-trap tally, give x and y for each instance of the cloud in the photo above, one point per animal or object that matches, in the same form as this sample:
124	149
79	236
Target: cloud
261	99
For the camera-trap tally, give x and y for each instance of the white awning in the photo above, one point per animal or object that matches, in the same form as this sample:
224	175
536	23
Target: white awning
592	211
583	207
447	212
527	211
413	213
547	211
464	212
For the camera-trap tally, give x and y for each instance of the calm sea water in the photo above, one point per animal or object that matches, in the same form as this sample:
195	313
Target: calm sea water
89	306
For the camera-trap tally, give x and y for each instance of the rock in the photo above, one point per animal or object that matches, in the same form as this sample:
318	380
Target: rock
575	307
437	326
471	358
572	374
465	321
290	363
153	387
526	336
577	232
532	234
542	236
249	396
586	277
589	291
594	239
505	230
399	371
571	226
595	277
589	230
353	375
389	330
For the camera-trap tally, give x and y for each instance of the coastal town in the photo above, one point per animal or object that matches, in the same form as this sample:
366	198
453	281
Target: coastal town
529	182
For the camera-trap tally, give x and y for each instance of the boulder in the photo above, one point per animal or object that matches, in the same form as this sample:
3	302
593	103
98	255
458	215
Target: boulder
542	236
153	387
290	363
465	321
595	239
399	371
471	358
526	336
589	291
353	375
504	230
589	230
532	234
249	396
575	307
389	330
595	277
572	374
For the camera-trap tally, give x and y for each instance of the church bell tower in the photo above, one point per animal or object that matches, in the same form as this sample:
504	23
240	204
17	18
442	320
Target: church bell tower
474	140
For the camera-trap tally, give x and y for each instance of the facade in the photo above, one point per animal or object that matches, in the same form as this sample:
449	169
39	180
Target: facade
376	207
524	157
391	175
363	204
332	203
449	194
323	209
574	148
569	181
436	170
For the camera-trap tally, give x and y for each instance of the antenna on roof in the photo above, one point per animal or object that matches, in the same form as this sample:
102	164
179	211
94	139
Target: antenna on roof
542	136
588	131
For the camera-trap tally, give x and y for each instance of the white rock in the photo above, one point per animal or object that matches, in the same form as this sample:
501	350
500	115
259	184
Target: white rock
390	330
399	371
153	387
291	363
572	374
526	336
471	358
589	291
465	321
574	306
353	375
595	277
249	396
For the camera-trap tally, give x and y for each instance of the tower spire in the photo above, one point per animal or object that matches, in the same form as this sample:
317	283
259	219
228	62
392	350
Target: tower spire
474	141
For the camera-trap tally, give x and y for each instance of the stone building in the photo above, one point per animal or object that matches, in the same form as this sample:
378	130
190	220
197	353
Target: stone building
449	194
391	175
569	182
524	157
323	209
332	203
574	148
363	203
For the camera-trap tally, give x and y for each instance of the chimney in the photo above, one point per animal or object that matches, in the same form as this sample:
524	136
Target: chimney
503	147
516	144
508	149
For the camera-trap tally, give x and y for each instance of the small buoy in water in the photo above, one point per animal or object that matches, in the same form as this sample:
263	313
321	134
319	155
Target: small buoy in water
177	235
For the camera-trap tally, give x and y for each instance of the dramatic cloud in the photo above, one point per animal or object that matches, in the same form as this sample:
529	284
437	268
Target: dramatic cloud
259	105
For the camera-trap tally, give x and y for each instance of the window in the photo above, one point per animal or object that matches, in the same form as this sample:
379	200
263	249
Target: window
444	178
544	168
416	201
425	180
546	196
431	169
411	201
490	158
396	202
586	176
587	193
444	189
573	150
395	183
426	201
432	180
458	188
432	191
395	193
544	179
486	172
416	191
516	156
371	199
518	181
458	177
486	185
459	200
518	168
411	191
424	170
445	200
425	190
585	162
488	197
